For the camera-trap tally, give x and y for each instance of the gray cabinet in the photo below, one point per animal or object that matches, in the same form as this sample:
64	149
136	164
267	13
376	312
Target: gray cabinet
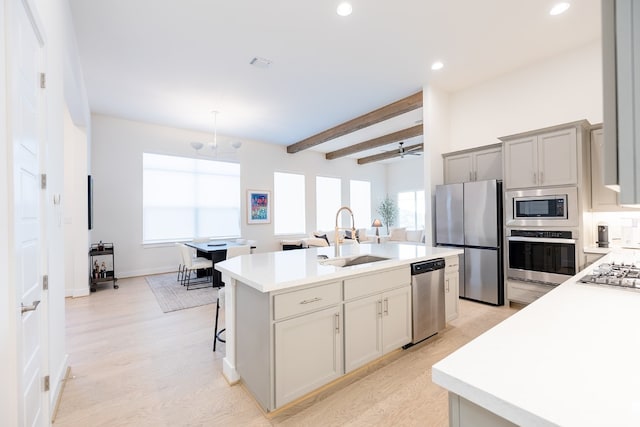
602	197
451	288
621	84
478	164
541	160
554	156
308	353
377	323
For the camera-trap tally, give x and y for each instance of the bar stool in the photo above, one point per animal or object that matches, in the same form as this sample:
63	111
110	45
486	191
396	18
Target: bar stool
232	251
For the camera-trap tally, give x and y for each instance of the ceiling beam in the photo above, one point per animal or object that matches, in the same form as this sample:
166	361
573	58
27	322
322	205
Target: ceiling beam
391	154
380	141
381	114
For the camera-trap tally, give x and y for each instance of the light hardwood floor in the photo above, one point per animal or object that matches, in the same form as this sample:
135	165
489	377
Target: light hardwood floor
132	365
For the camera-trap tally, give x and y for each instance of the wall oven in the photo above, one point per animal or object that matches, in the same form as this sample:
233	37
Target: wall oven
543	207
543	256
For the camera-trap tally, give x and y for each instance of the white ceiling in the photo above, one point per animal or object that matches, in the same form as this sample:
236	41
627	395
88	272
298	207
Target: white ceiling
173	62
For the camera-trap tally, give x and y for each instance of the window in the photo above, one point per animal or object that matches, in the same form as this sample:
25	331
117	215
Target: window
183	198
289	203
360	203
328	201
411	209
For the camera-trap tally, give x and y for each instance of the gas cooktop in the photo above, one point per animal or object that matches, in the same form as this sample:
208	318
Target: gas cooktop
615	274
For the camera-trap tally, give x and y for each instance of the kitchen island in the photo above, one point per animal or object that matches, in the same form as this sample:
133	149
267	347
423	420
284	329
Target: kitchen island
567	359
295	322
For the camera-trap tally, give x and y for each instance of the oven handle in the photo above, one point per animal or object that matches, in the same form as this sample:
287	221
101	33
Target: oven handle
540	240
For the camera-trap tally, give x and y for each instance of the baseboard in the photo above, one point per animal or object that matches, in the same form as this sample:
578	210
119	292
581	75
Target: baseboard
146	271
76	293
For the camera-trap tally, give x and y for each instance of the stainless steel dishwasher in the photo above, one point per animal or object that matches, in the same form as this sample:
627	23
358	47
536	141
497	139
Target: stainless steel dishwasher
427	287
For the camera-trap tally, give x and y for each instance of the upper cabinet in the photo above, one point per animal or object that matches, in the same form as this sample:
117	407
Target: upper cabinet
621	86
602	198
476	164
548	157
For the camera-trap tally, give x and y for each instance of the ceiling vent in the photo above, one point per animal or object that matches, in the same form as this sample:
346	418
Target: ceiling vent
260	62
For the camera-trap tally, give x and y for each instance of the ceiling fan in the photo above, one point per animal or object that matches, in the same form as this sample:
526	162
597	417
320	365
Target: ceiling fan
413	150
401	151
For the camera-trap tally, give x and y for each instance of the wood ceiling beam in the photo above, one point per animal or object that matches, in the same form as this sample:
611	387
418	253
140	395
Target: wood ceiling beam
381	114
380	141
417	148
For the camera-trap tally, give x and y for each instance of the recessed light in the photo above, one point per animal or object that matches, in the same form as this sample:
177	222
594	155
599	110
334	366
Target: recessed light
559	8
344	9
437	66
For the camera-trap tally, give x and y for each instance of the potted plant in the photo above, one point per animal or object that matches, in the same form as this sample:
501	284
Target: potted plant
387	211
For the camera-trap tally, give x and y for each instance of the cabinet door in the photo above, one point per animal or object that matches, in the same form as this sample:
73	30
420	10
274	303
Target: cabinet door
308	353
602	198
363	338
488	164
451	294
396	319
458	168
521	163
558	158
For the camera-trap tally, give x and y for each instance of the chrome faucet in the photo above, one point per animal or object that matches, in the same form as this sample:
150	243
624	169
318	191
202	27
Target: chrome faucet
338	239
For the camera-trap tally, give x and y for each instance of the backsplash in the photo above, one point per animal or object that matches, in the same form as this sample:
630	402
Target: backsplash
624	227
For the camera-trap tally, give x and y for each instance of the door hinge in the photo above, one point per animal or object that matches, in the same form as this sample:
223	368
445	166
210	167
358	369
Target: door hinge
47	384
43	181
43	81
45	282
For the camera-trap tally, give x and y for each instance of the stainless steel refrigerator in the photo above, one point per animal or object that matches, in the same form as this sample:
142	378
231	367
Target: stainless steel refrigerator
469	216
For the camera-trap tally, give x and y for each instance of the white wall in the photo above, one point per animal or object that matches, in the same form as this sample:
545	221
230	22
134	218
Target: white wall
436	130
76	233
116	162
562	89
405	175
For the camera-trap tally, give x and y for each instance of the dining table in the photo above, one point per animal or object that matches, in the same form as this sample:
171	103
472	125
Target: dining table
216	251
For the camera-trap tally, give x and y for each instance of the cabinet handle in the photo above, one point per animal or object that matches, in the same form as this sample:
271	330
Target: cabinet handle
470	175
309	301
337	318
379	304
447	283
475	175
386	306
535	178
541	177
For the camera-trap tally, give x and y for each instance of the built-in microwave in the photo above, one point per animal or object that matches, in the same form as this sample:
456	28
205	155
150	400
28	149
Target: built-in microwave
542	207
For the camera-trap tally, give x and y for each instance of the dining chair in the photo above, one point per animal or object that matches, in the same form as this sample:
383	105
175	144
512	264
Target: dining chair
180	262
194	264
232	251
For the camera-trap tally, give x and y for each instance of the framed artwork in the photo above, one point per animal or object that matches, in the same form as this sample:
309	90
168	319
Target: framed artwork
258	207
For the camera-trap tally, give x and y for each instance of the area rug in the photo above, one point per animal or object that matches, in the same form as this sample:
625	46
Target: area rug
172	296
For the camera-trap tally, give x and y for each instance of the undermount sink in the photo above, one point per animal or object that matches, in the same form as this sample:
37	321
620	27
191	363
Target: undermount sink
349	261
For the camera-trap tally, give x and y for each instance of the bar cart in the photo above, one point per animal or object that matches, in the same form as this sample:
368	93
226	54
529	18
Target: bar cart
102	267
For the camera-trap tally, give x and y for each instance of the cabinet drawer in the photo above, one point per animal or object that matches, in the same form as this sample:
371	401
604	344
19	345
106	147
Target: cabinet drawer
376	283
526	292
304	300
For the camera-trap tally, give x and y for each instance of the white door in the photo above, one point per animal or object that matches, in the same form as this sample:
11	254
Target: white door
26	142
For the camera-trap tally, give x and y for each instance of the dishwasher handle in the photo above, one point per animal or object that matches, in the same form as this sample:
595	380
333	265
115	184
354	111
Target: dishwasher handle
427	266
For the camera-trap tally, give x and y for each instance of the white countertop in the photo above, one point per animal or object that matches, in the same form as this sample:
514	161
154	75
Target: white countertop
276	271
567	359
